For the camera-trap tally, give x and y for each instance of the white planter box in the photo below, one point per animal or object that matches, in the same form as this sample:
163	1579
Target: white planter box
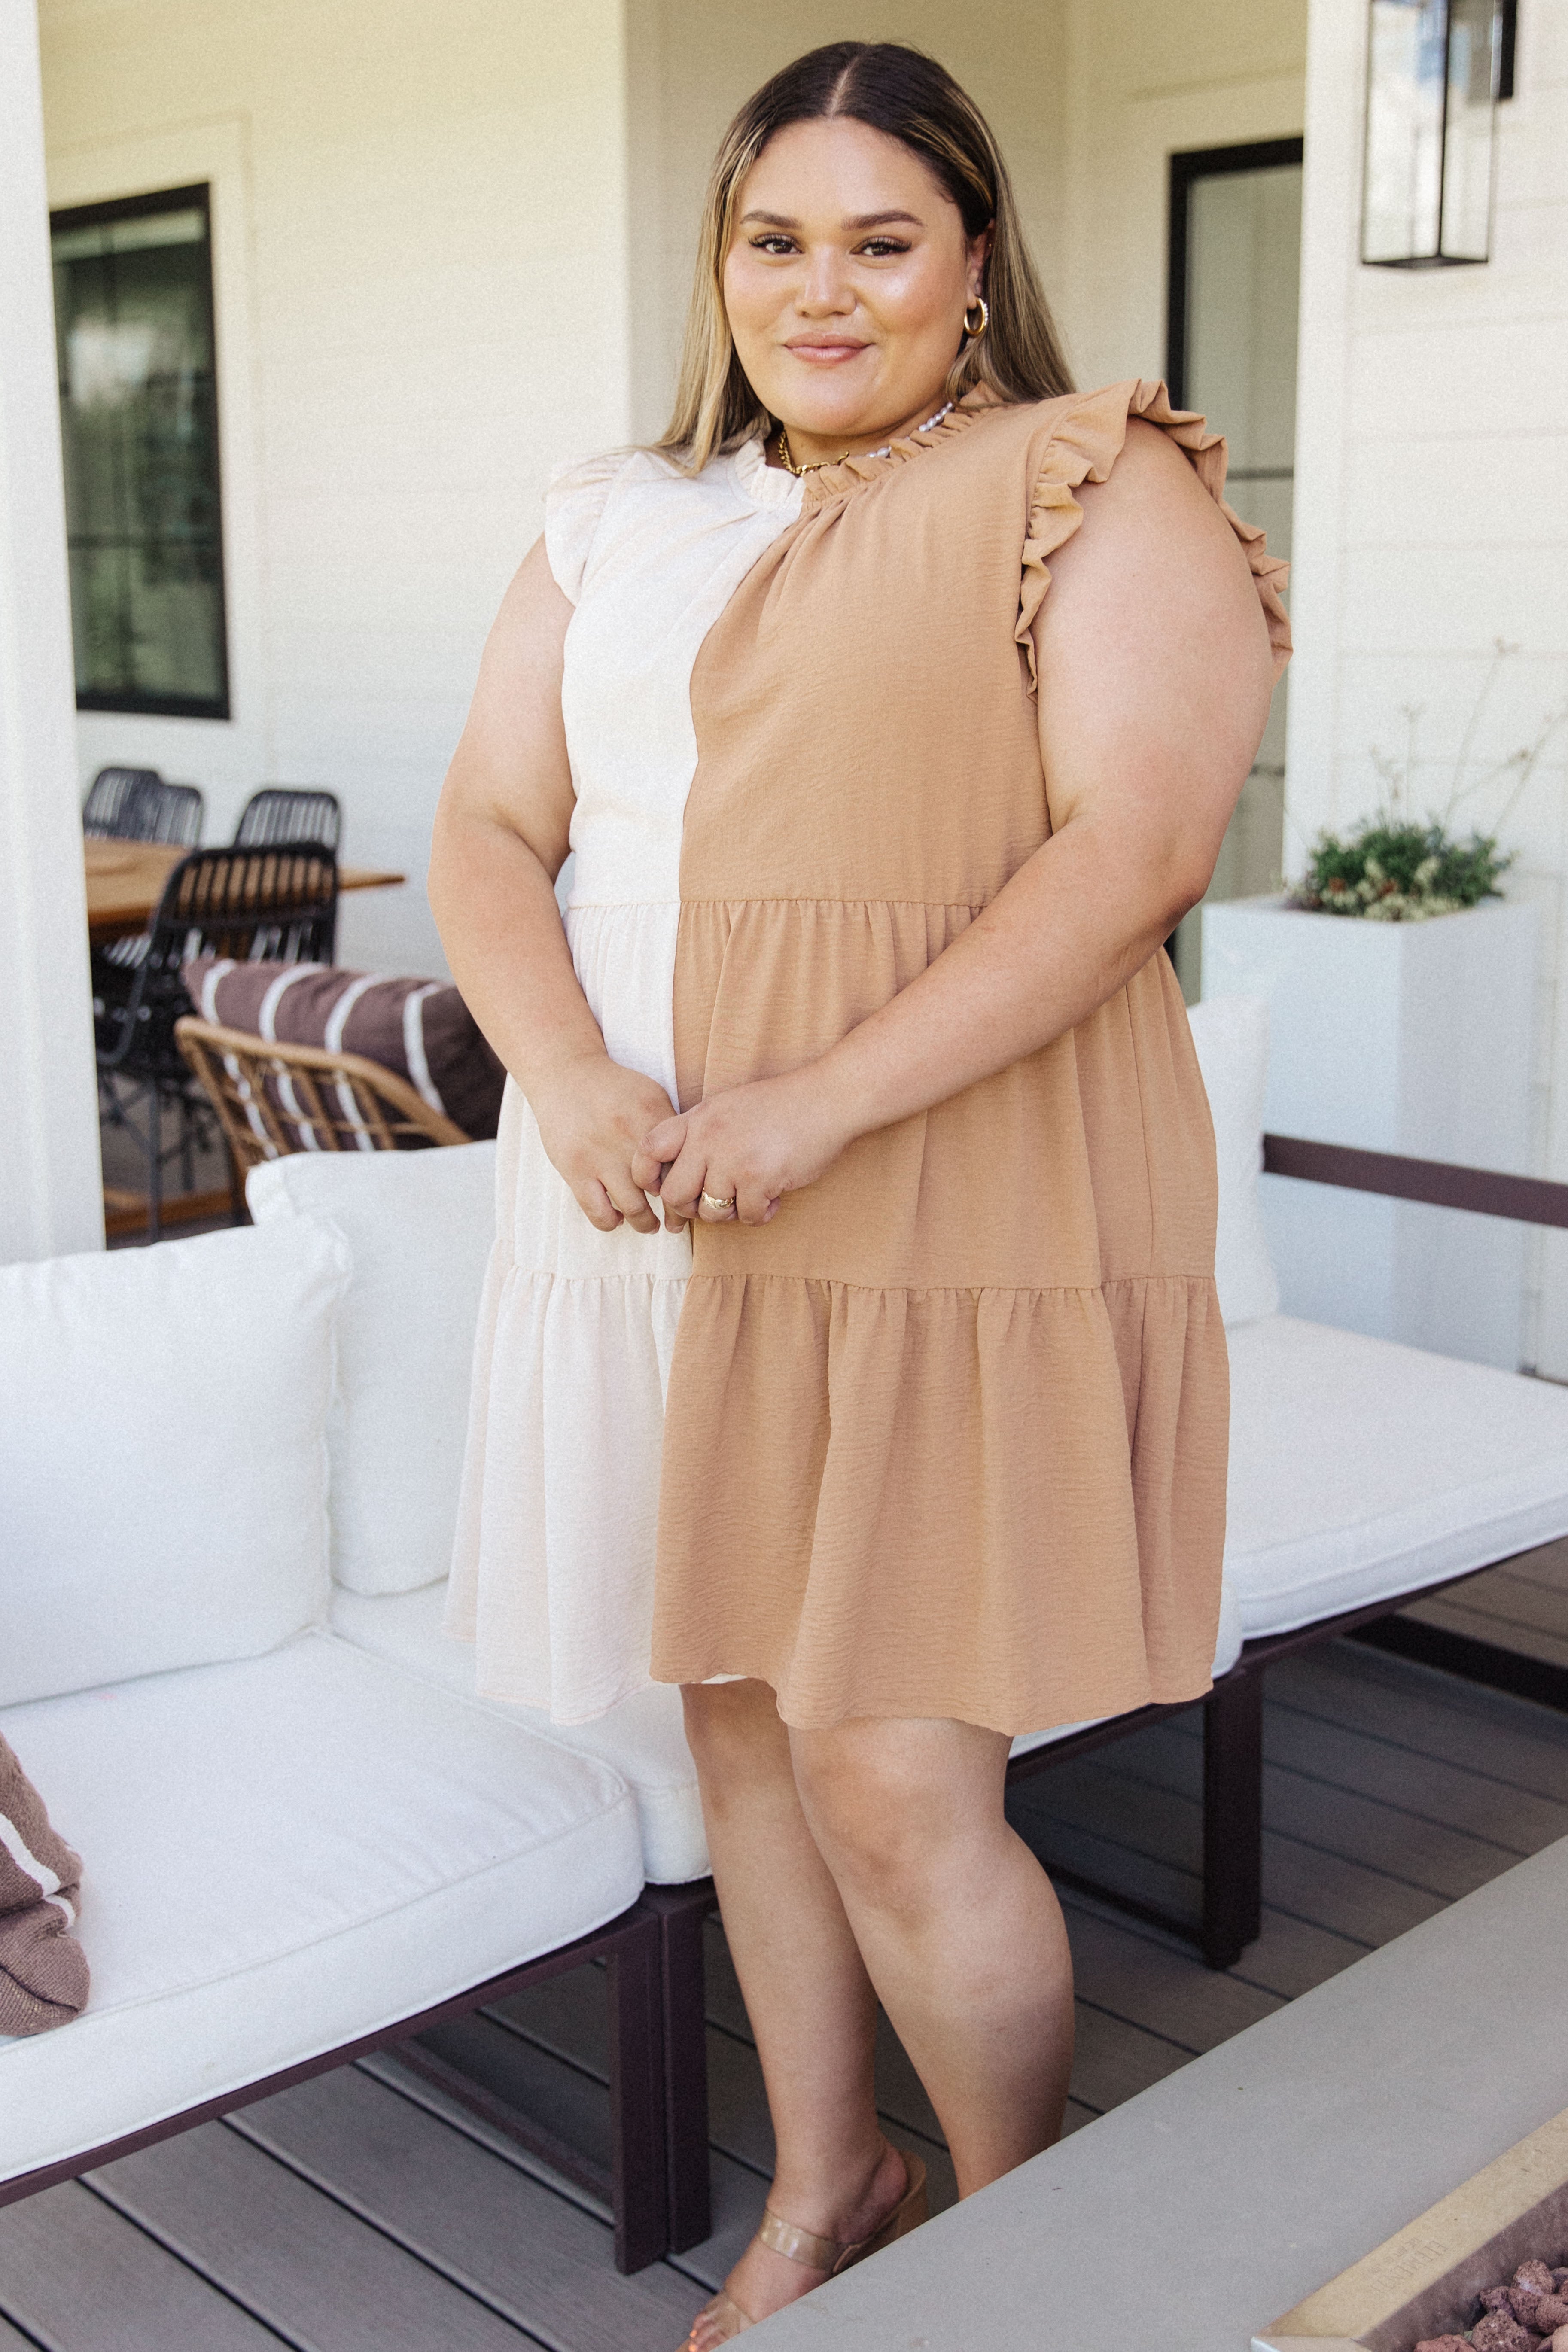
1409	1037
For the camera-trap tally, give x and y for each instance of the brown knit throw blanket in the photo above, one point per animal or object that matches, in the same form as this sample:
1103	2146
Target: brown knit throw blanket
43	1968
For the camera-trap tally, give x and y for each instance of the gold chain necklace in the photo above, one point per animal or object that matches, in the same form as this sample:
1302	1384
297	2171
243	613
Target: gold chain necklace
790	467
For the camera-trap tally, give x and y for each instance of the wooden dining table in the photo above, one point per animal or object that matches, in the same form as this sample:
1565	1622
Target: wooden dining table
125	881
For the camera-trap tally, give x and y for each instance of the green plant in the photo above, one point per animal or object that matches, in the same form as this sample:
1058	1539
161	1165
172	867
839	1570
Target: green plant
1395	873
1393	869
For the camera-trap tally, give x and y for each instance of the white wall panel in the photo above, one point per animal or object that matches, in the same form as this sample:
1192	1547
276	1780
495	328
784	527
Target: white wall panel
1432	515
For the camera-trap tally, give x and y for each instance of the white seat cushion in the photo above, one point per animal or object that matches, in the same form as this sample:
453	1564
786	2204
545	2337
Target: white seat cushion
420	1226
1361	1470
282	1854
1230	1034
643	1738
162	1456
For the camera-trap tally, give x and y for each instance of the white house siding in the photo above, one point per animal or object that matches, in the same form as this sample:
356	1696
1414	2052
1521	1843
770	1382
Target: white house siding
1432	515
420	222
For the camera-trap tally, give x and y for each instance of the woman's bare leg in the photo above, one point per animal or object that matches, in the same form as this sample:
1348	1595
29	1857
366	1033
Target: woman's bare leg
957	1924
809	1998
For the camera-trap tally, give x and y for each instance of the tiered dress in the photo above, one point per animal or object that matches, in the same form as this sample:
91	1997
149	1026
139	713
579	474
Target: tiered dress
948	1436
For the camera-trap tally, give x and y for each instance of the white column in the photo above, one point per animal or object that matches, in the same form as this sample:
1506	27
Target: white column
51	1197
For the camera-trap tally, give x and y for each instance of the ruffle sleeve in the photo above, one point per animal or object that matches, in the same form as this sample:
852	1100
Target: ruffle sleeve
574	506
1087	438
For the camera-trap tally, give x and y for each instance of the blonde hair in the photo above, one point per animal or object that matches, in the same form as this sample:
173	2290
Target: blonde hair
909	97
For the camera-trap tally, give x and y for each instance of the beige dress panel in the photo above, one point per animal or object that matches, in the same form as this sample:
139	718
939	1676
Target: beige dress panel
947	1437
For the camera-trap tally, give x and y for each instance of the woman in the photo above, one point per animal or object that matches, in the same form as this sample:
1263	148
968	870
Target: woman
876	844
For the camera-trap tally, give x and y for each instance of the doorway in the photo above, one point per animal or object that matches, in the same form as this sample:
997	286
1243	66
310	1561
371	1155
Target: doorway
1234	279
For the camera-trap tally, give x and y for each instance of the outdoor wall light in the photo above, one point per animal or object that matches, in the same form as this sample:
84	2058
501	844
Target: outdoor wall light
1432	87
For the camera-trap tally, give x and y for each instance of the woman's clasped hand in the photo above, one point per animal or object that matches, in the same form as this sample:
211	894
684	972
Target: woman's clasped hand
749	1144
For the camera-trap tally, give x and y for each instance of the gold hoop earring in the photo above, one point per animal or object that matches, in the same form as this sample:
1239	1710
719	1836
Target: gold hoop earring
974	333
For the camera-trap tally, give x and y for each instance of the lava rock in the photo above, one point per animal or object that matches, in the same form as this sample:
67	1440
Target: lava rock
1496	2298
1551	2314
1500	2332
1528	2284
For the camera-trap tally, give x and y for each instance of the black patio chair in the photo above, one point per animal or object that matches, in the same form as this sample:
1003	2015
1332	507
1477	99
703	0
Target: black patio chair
274	905
280	812
180	812
170	813
124	805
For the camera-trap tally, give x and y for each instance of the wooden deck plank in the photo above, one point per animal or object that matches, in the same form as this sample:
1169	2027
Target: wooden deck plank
1507	1623
1150	1979
13	2340
81	2278
1537	1601
1294	1955
316	2273
566	2098
569	2013
1113	2061
1487	1732
1546	1568
741	2128
484	2225
1377	1768
1412	1848
1160	1829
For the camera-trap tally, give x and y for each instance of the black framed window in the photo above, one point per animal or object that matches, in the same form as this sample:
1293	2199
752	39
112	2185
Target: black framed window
137	366
1233	292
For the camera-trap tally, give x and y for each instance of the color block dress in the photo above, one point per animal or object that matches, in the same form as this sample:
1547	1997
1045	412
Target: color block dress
948	1436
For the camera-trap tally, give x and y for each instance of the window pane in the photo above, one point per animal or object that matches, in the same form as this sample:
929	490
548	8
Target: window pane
1243	278
138	411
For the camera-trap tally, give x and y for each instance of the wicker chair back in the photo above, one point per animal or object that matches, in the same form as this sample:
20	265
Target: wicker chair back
274	1099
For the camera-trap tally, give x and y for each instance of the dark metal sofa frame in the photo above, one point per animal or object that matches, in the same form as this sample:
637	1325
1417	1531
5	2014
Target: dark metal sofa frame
636	2185
1231	1901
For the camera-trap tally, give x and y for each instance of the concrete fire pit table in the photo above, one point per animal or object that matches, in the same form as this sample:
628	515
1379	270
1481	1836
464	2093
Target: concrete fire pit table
1200	2211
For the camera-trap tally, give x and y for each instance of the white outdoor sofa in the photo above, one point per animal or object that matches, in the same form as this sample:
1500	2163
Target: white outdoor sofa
294	1850
1361	1474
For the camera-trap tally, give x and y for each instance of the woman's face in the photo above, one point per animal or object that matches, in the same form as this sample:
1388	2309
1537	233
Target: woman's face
846	285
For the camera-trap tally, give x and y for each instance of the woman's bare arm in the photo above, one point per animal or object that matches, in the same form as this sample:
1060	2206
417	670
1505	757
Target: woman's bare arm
1154	676
502	835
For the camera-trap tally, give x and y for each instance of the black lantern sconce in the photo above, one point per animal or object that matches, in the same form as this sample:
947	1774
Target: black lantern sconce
1434	70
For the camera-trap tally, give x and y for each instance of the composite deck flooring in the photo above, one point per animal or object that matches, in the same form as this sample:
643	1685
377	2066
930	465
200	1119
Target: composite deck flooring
367	2213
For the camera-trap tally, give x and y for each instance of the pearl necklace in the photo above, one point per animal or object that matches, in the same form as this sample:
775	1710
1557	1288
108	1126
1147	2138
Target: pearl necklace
790	465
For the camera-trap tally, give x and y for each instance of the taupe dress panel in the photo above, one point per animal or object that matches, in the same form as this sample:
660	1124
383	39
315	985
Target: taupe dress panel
948	1436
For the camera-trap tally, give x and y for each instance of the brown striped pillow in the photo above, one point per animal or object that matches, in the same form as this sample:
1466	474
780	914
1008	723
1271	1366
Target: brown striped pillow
43	1968
421	1029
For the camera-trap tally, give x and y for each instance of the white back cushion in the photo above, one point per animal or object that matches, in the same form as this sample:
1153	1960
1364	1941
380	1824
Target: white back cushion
1231	1034
419	1226
162	1456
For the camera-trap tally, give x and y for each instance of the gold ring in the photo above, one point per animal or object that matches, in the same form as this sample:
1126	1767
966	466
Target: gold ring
712	1201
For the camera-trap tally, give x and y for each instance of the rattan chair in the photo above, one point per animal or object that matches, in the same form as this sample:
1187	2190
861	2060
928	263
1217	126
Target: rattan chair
288	813
272	1099
279	905
124	805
